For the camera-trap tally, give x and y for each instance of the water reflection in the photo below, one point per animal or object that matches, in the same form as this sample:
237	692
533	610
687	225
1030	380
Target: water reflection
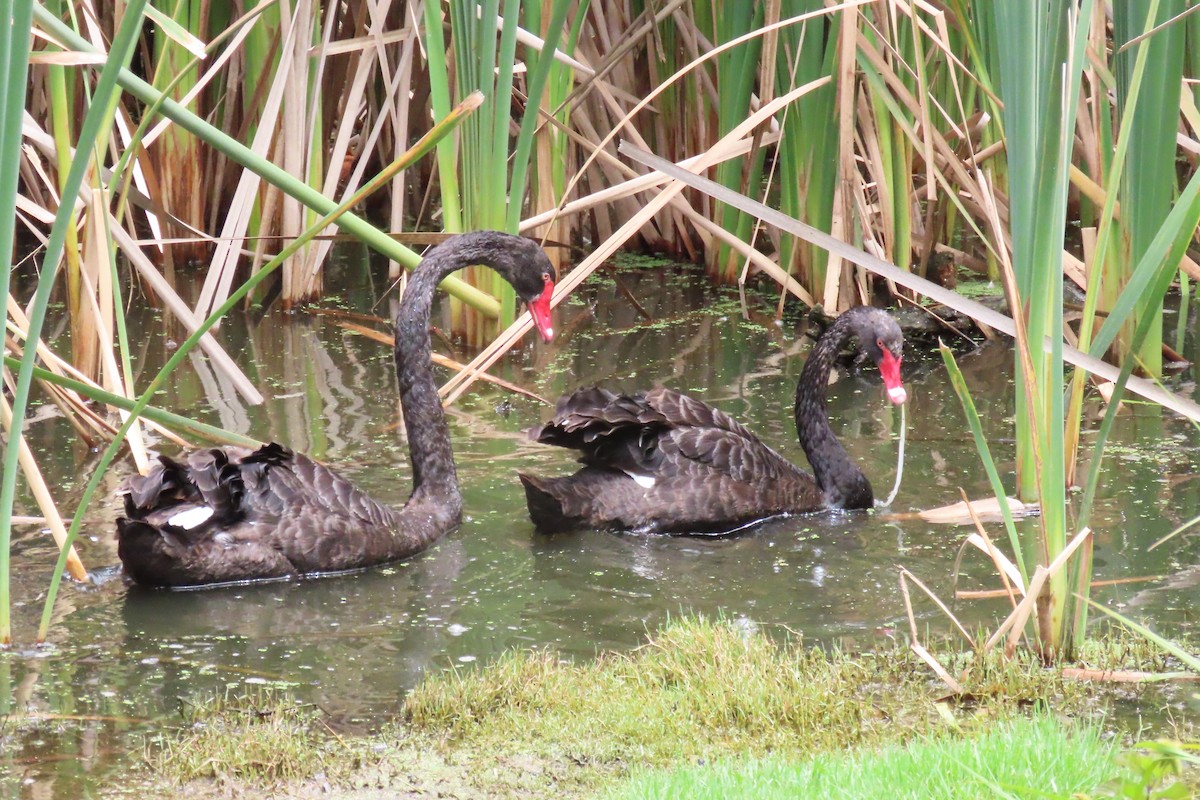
351	643
121	659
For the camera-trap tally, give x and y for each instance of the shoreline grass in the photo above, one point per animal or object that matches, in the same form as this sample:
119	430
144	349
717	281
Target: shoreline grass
1030	758
262	738
698	692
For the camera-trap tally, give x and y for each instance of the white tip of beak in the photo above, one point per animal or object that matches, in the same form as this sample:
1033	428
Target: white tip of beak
897	395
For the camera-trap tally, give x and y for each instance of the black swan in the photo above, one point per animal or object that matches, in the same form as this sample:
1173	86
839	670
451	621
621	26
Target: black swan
663	462
234	514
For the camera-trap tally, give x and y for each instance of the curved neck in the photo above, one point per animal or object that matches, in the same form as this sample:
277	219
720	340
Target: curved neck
429	448
840	479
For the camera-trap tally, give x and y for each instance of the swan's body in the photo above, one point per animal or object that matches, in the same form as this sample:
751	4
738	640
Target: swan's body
664	462
234	514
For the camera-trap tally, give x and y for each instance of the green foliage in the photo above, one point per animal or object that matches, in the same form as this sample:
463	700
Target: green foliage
1018	758
1147	189
734	78
1042	43
1153	770
1039	157
808	145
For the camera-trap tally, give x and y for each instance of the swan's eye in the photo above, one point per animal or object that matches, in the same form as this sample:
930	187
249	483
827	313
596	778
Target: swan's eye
879	344
545	277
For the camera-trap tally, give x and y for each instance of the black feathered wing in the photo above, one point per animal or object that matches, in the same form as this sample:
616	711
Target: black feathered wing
235	514
662	461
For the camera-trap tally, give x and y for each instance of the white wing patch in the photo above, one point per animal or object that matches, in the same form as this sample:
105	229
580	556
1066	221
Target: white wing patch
192	518
644	481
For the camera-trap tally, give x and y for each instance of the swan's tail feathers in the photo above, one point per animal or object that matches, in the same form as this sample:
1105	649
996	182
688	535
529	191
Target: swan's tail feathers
167	483
218	481
184	499
207	480
181	521
545	507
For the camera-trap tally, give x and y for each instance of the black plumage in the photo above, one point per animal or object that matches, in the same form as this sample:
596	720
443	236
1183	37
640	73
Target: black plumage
234	514
662	461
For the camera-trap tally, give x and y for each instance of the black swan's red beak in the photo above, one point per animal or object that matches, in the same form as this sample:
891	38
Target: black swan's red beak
889	368
539	309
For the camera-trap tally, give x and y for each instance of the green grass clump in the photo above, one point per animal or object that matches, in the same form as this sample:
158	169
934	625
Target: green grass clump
264	738
702	689
1116	647
1019	758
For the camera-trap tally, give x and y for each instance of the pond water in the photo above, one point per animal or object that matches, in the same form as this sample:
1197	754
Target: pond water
122	660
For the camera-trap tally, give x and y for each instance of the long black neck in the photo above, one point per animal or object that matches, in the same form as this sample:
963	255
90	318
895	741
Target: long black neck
434	475
842	482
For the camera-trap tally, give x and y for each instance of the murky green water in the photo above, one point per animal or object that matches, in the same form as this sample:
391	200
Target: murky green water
122	660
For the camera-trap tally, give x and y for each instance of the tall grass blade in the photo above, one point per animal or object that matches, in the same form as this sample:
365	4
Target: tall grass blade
1155	272
98	116
1107	279
985	453
536	88
1163	252
807	151
1148	185
14	66
1190	659
1039	90
194	428
439	96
